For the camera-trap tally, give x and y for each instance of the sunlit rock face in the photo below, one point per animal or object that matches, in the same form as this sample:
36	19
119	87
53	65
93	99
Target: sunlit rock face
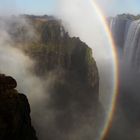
15	122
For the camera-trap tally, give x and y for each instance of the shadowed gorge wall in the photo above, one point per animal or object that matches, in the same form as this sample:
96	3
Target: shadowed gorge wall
63	66
74	95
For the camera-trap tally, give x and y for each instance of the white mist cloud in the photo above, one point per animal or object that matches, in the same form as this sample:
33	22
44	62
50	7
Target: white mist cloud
14	62
80	19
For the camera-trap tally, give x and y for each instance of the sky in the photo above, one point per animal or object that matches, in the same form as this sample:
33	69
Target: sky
114	7
37	6
27	7
109	7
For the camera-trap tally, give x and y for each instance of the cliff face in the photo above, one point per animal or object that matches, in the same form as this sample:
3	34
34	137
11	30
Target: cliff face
15	121
75	91
53	49
73	110
68	58
56	50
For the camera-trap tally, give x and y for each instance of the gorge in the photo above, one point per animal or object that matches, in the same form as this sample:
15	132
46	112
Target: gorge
125	29
56	72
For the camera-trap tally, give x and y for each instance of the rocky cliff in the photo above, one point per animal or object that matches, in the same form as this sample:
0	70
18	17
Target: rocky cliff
15	121
73	110
74	97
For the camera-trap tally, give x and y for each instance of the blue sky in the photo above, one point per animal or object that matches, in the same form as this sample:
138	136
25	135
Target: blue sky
109	7
113	7
27	6
37	6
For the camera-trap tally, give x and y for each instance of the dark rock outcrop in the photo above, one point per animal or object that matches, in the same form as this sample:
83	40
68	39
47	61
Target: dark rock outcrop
15	121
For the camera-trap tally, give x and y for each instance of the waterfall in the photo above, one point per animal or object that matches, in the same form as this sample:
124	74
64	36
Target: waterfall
127	28
119	28
132	45
126	33
129	64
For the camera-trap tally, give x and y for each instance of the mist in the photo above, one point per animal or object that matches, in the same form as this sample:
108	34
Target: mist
16	63
81	20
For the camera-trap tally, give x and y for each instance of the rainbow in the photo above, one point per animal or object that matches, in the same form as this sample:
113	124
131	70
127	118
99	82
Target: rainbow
115	69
